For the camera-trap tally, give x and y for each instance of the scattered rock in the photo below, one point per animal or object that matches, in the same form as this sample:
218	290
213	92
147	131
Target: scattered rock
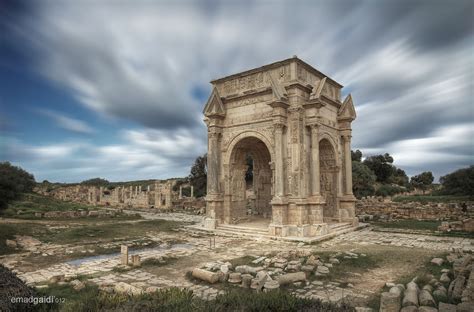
444	278
235	278
426	299
122	287
322	269
410	297
246	280
208	276
11	243
270	285
427	309
389	302
437	261
446	307
465	306
291	278
456	287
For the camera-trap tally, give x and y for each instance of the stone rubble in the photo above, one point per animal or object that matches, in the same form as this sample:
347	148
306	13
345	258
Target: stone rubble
433	297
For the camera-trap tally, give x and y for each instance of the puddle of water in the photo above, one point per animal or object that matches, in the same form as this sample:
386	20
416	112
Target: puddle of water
80	261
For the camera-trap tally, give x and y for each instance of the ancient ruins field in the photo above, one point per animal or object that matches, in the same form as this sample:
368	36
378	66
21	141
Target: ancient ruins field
73	257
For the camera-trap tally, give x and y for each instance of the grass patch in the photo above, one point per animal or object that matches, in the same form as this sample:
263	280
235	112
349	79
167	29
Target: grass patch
9	230
427	225
347	266
157	262
70	300
432	198
84	233
424	271
30	203
174	299
107	232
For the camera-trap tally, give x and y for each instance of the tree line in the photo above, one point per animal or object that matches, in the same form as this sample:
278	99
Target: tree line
375	175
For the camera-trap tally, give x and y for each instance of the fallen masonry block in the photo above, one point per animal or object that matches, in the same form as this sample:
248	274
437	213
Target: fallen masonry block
206	276
390	302
291	278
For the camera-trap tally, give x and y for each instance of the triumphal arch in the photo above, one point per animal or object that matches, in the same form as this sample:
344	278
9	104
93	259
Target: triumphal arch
279	148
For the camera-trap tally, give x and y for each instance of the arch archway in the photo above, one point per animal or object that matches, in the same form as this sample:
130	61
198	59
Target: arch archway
249	180
328	169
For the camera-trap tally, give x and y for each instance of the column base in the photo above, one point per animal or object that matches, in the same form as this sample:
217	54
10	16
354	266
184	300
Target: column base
210	223
347	209
306	230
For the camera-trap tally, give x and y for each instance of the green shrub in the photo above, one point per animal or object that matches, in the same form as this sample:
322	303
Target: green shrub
388	190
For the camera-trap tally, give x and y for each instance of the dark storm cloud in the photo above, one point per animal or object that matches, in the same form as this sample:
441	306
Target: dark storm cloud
408	65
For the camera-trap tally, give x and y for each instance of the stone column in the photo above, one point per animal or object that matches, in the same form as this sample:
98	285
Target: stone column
213	163
124	254
279	174
180	192
192	191
315	167
348	163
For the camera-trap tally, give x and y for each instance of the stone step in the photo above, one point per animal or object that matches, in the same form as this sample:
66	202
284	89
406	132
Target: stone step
241	229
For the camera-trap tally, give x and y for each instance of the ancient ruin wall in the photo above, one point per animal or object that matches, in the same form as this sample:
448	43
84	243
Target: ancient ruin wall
159	195
379	206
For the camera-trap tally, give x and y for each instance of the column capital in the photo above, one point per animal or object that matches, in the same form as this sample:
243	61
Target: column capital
313	125
213	134
279	125
346	136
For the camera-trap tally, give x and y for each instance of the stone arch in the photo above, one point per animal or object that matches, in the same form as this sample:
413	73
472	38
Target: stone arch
246	134
329	178
236	202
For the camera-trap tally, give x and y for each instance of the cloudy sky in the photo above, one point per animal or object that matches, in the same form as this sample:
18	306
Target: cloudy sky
116	88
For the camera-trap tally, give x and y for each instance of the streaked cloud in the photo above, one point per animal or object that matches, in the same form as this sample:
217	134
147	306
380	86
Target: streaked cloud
408	65
67	123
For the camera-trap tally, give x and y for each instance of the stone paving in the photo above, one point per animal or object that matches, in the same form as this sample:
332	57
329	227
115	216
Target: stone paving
169	216
369	237
138	280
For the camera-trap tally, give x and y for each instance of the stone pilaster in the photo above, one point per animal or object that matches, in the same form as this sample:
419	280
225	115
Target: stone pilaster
213	162
348	164
279	174
214	200
315	167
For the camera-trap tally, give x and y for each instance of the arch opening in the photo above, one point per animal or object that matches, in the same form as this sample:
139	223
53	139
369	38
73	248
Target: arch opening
250	182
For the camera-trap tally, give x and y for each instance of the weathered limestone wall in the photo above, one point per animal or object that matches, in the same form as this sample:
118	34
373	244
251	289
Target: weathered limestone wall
159	195
414	210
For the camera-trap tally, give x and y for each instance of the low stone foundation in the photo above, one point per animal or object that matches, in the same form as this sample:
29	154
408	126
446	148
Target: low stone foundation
380	206
75	214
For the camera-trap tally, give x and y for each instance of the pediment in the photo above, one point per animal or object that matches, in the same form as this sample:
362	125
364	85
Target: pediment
214	105
279	92
318	89
347	110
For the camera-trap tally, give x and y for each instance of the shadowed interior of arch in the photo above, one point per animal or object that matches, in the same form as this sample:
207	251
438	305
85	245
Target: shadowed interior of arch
249	184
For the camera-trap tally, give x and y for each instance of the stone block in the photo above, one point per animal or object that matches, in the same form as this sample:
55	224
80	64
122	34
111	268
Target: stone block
204	275
390	302
124	255
291	278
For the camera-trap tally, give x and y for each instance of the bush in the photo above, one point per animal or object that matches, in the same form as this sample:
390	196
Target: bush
13	182
388	190
363	180
460	182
